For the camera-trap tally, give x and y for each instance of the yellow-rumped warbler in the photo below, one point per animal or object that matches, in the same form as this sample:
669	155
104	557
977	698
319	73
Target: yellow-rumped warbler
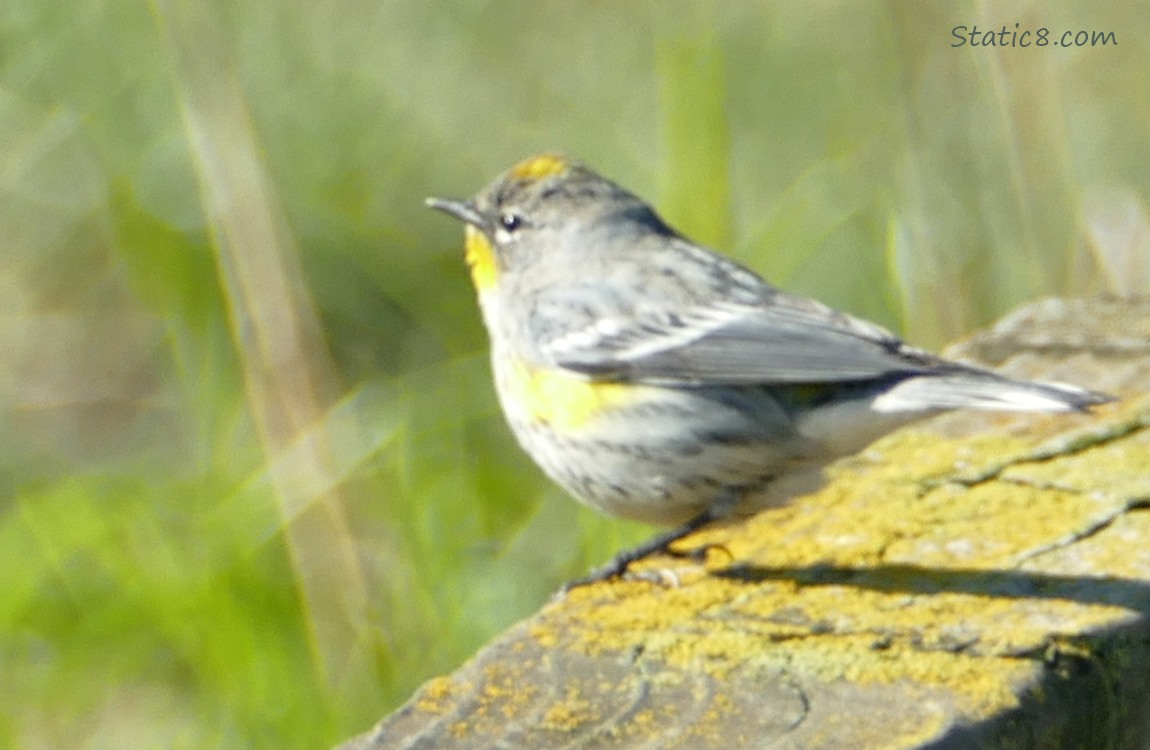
659	381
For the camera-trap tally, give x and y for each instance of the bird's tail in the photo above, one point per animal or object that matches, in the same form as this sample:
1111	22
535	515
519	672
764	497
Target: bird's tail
981	389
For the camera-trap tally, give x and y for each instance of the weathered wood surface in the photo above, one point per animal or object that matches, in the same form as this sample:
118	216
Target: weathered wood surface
977	581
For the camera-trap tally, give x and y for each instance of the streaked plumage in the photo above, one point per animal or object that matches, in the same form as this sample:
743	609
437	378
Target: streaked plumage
653	378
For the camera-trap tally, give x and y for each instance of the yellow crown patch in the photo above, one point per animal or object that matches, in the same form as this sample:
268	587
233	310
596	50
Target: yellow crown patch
538	167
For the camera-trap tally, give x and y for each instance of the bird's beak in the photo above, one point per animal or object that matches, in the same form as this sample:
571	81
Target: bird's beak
465	211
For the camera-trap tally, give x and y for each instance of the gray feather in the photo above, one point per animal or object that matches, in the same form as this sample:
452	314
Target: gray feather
777	342
980	389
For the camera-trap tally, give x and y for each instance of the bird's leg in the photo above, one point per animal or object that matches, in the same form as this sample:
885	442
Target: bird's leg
660	543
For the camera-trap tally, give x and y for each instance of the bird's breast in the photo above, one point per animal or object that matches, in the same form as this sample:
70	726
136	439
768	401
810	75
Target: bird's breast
565	402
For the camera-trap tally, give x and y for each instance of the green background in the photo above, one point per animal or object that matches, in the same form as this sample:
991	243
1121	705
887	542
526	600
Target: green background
254	486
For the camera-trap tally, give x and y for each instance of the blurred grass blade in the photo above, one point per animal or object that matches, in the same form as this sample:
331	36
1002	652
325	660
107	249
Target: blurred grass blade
285	365
696	195
357	428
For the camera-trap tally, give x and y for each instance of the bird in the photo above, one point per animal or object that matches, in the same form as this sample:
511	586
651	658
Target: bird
658	380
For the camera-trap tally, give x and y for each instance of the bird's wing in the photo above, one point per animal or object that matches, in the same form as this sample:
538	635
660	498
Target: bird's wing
780	339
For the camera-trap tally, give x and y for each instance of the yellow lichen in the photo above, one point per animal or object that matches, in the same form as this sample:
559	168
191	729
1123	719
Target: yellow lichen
436	695
918	562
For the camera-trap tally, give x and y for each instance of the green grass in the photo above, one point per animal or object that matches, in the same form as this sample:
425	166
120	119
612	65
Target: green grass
255	487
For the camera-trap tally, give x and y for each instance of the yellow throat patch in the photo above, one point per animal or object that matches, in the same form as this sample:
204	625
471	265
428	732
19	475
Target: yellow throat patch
480	257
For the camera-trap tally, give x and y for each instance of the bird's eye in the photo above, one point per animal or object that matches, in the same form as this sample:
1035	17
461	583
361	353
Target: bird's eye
511	221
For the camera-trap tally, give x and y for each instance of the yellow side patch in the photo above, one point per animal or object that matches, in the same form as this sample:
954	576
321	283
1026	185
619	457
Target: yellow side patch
565	402
480	257
538	167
